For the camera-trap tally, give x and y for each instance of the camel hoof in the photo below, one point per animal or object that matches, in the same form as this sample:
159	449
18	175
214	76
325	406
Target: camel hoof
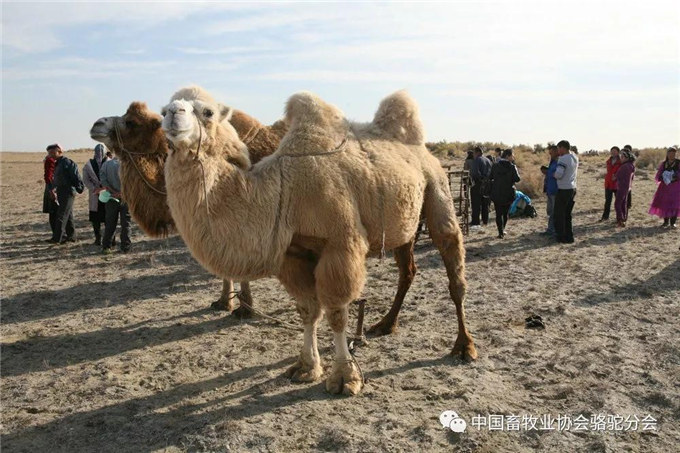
243	312
301	372
467	351
222	305
345	378
383	328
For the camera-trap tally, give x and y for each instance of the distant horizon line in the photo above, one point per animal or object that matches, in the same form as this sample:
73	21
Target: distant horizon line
516	145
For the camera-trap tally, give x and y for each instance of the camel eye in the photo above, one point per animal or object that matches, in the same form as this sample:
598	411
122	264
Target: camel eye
208	113
130	124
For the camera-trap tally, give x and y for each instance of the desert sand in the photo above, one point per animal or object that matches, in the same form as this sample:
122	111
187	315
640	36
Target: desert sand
122	352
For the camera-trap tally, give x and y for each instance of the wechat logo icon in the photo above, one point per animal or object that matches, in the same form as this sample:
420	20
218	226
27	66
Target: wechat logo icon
451	420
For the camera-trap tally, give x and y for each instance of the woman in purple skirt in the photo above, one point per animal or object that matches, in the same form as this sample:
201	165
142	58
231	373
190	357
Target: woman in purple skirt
666	201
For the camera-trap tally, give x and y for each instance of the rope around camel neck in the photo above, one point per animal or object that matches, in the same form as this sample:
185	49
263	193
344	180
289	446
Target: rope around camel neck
134	164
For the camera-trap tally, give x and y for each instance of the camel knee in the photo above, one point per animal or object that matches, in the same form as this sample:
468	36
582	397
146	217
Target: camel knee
309	311
337	318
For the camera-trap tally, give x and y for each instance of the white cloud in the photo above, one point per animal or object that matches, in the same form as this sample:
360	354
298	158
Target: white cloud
592	95
37	27
85	68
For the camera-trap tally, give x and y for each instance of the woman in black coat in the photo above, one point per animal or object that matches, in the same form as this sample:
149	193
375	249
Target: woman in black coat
503	177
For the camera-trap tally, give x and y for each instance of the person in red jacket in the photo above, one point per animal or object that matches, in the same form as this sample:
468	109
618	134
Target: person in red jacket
613	164
49	202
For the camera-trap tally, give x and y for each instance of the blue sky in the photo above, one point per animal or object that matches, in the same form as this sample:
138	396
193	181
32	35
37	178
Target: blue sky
597	73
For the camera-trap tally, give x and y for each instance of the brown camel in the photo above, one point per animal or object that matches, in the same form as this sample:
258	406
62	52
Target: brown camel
142	150
332	194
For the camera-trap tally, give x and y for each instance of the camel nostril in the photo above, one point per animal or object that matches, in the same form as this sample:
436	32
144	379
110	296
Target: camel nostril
99	122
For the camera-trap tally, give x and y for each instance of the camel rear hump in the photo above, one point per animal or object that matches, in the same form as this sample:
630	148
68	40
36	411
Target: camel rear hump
398	117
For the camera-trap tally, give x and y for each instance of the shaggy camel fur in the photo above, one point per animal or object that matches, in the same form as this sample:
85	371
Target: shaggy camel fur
142	148
142	176
332	194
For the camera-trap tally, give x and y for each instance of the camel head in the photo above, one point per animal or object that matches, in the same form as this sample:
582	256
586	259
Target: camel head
139	130
193	117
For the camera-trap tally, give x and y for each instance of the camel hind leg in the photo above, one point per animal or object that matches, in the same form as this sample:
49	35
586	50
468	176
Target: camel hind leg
246	308
226	300
403	255
448	238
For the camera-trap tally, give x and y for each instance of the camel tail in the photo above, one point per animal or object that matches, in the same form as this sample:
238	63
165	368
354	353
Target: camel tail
398	117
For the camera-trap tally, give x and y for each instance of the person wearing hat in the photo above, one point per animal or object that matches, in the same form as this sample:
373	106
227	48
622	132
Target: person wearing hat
115	207
97	209
624	182
49	202
666	201
480	169
65	184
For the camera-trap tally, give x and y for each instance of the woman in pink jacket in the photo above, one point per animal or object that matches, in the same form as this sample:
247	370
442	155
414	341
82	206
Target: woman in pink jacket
624	182
666	201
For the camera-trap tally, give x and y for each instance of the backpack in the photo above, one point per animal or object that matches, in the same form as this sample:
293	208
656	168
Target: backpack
530	211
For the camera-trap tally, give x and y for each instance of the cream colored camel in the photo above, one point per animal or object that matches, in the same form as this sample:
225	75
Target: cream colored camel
140	144
333	193
142	148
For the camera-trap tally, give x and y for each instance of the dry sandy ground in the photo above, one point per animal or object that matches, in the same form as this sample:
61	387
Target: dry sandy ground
121	353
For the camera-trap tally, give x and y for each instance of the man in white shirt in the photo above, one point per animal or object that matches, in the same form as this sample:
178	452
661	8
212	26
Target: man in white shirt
565	174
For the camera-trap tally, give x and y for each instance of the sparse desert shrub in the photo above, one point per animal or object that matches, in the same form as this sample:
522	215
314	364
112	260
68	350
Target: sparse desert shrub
650	158
532	181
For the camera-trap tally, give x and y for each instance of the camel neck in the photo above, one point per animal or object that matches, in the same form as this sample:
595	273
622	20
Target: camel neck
239	237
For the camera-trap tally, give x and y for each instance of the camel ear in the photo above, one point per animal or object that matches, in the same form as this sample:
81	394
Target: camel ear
225	112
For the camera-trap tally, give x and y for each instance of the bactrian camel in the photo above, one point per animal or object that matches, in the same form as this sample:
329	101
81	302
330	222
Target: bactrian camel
333	193
141	147
140	144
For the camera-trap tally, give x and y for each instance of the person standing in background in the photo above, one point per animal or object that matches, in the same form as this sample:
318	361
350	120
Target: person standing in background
666	201
115	207
630	193
503	177
550	189
97	209
613	164
480	169
49	202
624	182
565	174
66	184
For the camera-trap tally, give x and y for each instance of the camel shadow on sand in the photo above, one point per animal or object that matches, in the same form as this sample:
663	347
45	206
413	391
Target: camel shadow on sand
42	353
664	281
144	422
42	304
